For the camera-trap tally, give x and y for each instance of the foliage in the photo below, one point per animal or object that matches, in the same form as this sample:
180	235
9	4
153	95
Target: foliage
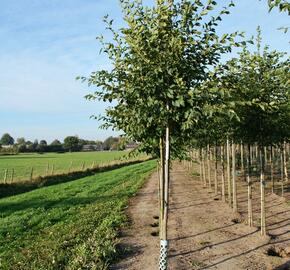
71	143
258	84
6	139
160	60
56	146
20	140
283	5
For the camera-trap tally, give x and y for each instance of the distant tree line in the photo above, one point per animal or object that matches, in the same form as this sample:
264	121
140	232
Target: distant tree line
70	144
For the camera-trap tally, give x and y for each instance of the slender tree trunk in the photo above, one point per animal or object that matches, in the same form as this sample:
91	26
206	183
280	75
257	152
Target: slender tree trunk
223	174
159	187
216	172
265	156
161	184
272	169
164	232
242	161
235	202
282	171
252	155
208	166
262	184
200	166
250	207
229	174
166	183
285	163
203	168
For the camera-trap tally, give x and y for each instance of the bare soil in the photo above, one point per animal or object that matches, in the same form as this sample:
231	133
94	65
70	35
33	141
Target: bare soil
204	233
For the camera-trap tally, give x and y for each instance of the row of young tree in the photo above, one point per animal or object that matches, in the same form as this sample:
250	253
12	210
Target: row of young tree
172	93
70	143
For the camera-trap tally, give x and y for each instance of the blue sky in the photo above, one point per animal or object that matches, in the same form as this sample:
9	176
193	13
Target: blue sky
46	44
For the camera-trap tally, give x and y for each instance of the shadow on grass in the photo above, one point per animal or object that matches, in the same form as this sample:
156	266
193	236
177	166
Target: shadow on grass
64	202
7	190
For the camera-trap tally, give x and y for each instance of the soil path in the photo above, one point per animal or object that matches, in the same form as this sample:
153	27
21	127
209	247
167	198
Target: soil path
203	231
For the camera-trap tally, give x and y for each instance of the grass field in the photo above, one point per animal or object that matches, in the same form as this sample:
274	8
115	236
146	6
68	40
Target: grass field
71	225
46	163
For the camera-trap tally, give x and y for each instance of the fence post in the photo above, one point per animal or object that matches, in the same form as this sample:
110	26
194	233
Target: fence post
5	175
70	166
31	174
12	176
52	169
47	168
93	165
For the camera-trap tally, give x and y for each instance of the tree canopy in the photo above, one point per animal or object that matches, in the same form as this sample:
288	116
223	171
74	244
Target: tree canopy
6	139
160	61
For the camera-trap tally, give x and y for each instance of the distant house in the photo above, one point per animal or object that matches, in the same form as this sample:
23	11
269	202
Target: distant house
131	146
92	147
7	146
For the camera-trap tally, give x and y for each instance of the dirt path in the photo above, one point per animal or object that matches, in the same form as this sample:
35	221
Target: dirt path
203	232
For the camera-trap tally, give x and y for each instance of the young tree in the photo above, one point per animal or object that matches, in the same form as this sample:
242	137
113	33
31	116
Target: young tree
260	83
160	61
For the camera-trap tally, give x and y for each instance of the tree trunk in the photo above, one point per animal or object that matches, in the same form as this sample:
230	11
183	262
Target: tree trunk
161	184
163	232
250	207
242	162
251	155
223	174
229	174
166	183
203	168
265	156
285	163
235	202
158	174
262	184
282	171
216	172
208	166
200	166
272	169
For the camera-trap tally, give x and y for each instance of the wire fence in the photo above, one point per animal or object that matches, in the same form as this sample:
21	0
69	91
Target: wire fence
15	174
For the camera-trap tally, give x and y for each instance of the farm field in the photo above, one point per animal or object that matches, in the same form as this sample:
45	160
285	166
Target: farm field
51	163
71	225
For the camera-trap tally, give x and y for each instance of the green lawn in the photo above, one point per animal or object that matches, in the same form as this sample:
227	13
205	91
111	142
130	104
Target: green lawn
71	225
45	163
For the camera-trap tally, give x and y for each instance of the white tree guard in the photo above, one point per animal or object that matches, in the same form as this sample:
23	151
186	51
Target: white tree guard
163	255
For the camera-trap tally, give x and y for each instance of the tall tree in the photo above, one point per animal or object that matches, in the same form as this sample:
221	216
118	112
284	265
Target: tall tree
71	143
159	62
6	139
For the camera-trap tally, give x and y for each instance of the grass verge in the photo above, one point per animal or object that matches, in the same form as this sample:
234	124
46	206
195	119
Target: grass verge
72	225
11	189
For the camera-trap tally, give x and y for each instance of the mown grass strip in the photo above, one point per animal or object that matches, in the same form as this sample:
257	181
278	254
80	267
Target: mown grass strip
72	225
